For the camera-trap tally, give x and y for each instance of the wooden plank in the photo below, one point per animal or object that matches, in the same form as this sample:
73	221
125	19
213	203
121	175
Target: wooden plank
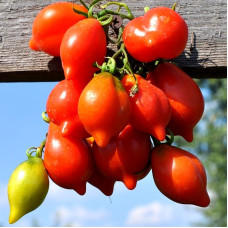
206	20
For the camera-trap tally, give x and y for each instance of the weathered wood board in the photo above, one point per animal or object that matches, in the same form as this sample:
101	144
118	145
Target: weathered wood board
205	18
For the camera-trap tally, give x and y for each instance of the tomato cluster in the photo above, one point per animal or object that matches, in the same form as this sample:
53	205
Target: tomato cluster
111	120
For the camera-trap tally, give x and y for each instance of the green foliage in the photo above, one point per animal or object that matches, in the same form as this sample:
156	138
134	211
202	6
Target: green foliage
210	145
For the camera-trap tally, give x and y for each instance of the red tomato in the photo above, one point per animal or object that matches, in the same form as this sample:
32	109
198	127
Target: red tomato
150	107
50	25
143	174
62	109
101	182
68	160
82	46
160	33
98	180
179	175
104	108
185	97
125	157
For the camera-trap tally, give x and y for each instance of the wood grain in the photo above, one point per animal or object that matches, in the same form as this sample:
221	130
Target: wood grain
205	58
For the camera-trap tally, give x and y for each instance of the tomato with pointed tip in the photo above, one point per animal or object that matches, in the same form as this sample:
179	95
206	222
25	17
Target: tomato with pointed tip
27	188
68	160
97	179
126	157
185	97
104	108
50	25
62	109
82	46
101	182
160	33
179	175
150	107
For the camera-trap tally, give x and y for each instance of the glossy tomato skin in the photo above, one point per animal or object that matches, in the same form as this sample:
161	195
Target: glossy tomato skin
185	97
97	179
27	188
50	25
150	107
101	182
82	46
125	157
104	107
160	33
62	109
179	175
67	160
142	174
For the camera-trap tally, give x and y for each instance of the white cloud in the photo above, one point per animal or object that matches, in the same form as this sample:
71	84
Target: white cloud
149	215
78	216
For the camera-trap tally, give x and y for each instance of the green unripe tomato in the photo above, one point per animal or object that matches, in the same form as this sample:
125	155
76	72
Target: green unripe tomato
27	188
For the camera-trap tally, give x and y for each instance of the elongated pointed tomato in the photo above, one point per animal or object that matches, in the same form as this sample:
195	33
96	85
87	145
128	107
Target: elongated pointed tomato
62	109
97	179
150	107
185	97
50	25
160	33
83	45
126	157
179	175
67	160
27	188
101	182
104	108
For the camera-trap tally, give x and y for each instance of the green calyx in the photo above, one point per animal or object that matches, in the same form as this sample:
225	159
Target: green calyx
80	12
104	12
120	5
121	57
168	140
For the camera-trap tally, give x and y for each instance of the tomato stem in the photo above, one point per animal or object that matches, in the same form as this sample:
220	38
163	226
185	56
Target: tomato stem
120	5
156	142
120	51
170	140
83	3
80	12
111	65
45	118
118	41
29	152
39	150
107	21
105	12
90	12
174	6
135	88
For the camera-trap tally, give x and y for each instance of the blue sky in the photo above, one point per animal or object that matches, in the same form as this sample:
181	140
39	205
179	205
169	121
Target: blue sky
22	127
